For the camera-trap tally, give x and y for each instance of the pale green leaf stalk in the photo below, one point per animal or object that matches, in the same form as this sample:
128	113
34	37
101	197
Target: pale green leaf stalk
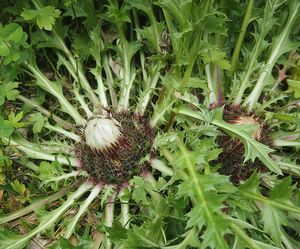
35	205
61	130
109	217
152	81
161	166
237	48
81	100
75	67
147	7
33	151
61	177
63	123
109	82
280	46
125	210
128	74
83	208
55	89
51	218
265	25
212	91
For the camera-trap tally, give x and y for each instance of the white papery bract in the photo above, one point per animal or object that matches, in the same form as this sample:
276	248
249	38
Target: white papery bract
102	132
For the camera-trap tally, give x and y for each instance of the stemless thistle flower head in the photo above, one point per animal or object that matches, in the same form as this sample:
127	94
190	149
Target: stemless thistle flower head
113	148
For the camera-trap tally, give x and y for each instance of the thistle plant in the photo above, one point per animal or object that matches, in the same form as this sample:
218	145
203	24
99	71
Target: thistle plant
149	124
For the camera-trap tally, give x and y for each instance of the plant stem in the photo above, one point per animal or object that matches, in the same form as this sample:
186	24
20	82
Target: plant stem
142	55
237	48
282	143
196	43
83	208
101	89
29	165
76	69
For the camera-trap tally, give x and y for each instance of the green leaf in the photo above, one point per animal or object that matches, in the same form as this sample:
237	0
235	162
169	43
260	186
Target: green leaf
282	190
12	32
12	38
213	231
141	187
251	184
273	220
294	86
216	57
8	91
44	17
209	202
49	172
117	232
6	128
4	49
118	15
21	190
14	119
65	244
38	122
8	238
253	149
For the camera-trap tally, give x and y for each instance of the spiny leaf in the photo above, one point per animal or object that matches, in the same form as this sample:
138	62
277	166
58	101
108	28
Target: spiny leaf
282	190
251	184
273	220
216	225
